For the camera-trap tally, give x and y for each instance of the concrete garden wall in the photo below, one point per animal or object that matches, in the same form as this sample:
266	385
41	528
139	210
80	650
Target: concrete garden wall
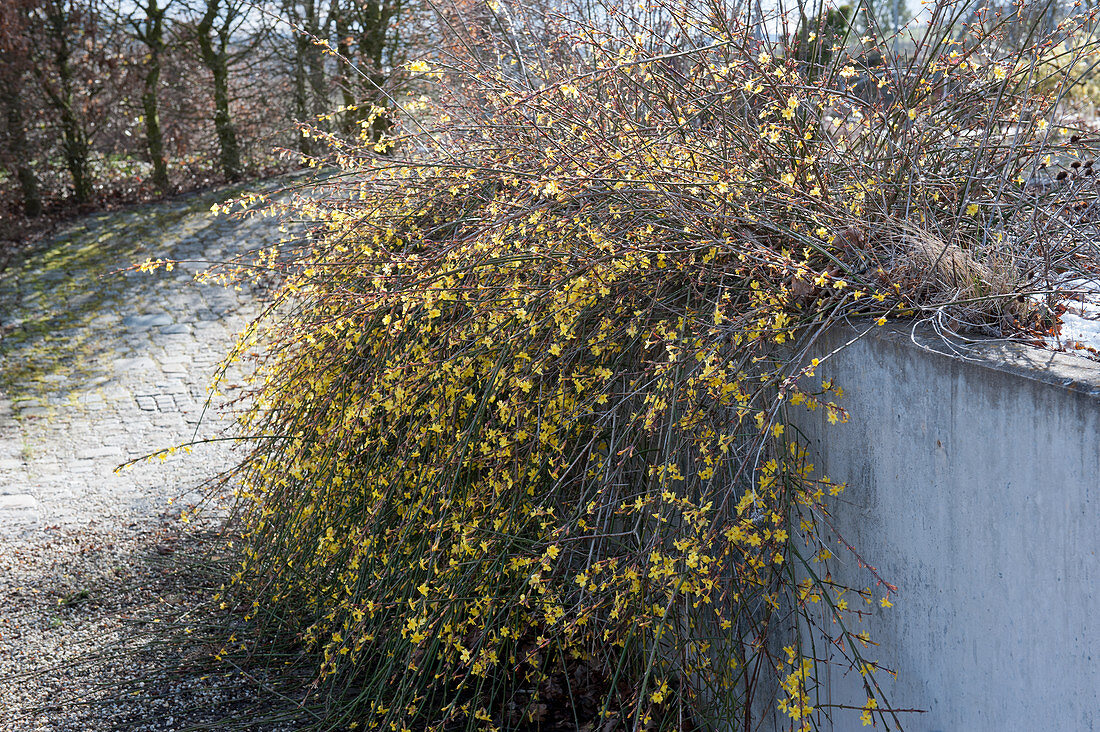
974	486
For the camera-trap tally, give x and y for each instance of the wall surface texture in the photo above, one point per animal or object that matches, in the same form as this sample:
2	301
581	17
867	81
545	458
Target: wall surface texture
974	486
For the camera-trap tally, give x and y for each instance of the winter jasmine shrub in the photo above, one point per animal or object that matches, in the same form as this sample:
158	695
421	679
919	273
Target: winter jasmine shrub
524	456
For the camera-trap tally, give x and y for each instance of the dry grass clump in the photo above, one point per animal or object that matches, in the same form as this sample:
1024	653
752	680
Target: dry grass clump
522	451
966	294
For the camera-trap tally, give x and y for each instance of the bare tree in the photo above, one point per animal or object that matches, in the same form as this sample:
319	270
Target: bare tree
146	24
369	42
14	50
310	27
66	27
219	33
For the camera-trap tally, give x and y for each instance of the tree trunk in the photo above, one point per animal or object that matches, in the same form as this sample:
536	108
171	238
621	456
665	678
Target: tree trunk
350	118
74	138
301	92
314	62
318	85
154	137
376	15
223	123
14	58
18	150
217	63
75	148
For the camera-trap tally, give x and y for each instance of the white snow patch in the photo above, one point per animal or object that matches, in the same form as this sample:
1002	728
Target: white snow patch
1081	321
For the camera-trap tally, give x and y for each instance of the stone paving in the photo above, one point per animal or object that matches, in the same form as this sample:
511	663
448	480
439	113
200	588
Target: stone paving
101	364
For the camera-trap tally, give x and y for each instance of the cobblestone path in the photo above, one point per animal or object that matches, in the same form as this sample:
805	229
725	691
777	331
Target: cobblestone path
100	364
98	367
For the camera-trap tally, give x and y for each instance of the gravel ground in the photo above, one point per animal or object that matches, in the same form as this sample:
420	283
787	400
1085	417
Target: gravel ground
88	636
98	368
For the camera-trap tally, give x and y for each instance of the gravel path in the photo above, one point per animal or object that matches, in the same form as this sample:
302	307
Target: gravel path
97	368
